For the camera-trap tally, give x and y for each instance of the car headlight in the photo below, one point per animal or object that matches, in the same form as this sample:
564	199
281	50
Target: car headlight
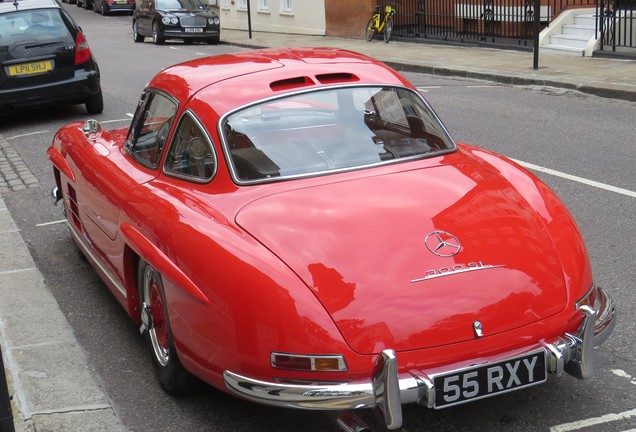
215	21
169	20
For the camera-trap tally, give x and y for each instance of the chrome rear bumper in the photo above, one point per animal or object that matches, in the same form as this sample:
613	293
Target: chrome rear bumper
388	390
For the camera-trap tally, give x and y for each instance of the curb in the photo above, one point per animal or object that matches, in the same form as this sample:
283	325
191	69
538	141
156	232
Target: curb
50	381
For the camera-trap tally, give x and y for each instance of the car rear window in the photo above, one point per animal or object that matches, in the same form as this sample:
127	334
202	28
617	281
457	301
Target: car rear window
331	130
38	26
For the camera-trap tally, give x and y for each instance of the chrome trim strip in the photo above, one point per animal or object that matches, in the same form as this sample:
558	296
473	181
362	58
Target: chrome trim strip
388	390
469	269
96	260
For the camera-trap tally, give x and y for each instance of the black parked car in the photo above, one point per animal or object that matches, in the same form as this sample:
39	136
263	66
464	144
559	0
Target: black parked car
86	4
106	7
175	19
45	59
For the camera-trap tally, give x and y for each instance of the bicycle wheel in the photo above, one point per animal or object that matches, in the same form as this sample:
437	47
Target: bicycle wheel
388	30
371	30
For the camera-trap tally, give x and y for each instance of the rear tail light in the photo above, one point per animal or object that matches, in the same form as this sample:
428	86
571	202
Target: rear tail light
82	51
589	299
314	363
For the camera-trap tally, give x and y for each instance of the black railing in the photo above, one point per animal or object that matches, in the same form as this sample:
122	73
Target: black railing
505	22
618	26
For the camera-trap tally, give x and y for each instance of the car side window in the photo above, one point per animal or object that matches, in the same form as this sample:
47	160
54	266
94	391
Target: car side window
191	154
150	128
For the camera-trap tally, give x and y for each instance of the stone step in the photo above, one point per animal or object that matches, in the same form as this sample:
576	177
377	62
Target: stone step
562	50
569	40
579	30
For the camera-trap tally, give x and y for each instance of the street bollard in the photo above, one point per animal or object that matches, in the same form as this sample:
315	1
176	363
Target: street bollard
6	414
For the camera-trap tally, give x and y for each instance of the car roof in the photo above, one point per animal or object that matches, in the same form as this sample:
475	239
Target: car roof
257	74
12	6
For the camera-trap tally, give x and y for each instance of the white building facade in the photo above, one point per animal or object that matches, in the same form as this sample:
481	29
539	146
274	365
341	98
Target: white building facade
277	16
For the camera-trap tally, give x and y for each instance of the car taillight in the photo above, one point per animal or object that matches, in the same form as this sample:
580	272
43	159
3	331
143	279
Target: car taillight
82	51
314	363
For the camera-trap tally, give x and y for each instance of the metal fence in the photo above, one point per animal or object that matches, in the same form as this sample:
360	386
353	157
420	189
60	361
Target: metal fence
618	26
504	22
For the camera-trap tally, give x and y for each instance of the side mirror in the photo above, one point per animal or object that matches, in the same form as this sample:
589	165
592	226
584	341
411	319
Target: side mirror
92	129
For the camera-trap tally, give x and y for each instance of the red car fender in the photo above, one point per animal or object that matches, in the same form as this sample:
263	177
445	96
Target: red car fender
149	252
60	163
564	231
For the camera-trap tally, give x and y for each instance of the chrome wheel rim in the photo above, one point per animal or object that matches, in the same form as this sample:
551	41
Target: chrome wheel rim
153	303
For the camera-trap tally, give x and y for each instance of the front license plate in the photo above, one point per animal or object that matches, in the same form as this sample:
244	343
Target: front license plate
194	30
488	380
31	68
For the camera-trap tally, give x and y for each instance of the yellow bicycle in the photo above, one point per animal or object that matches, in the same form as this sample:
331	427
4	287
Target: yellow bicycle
379	23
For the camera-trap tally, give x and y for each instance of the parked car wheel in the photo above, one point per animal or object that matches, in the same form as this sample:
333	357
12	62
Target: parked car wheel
136	36
105	9
157	37
171	374
95	104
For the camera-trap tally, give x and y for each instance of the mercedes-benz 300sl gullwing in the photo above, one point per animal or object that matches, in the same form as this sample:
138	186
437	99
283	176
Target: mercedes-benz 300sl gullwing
298	228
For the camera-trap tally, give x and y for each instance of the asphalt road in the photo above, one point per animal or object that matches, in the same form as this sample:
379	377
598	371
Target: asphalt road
587	137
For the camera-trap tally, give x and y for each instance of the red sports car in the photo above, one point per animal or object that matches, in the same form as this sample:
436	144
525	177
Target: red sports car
298	228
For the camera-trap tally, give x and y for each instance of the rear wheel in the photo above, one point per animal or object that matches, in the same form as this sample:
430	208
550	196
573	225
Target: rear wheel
171	374
95	104
136	36
371	30
388	30
156	34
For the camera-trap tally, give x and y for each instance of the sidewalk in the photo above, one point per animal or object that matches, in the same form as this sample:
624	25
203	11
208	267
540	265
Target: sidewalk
613	78
52	384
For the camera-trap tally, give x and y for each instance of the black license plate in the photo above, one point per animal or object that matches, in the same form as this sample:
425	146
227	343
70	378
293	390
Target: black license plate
488	380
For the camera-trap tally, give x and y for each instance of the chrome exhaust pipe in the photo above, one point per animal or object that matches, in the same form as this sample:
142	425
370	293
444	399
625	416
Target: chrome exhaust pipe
349	421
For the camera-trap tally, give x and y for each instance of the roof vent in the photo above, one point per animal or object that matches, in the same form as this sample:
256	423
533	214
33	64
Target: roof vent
290	83
333	78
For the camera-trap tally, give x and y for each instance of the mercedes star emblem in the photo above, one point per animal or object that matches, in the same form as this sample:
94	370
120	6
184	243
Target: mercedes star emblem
442	244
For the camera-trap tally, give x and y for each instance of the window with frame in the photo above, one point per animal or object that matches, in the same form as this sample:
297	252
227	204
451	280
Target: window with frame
191	153
263	5
242	5
150	126
331	130
286	6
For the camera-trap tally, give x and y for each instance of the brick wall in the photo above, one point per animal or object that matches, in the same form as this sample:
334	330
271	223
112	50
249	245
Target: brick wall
347	18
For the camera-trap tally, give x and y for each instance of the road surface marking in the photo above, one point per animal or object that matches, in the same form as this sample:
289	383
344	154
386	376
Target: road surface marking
25	135
577	179
51	223
116	120
566	427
